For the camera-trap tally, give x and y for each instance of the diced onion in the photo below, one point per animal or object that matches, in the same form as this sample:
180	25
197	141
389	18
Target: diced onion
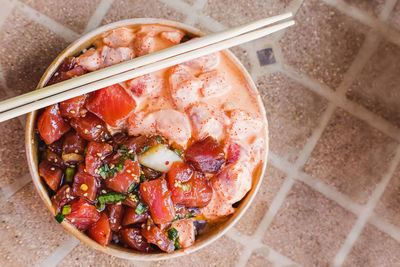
158	158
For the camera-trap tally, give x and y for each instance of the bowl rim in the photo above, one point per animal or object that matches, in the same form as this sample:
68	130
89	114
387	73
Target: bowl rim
114	250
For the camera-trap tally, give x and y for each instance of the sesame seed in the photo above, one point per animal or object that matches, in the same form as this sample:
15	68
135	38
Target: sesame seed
73	111
67	190
55	160
144	188
84	187
102	158
148	228
139	241
130	151
98	154
85	131
76	151
72	220
128	171
98	126
103	191
52	168
85	195
159	242
103	140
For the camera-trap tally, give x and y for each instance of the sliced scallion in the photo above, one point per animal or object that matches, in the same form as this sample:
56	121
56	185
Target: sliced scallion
59	218
66	210
140	208
69	175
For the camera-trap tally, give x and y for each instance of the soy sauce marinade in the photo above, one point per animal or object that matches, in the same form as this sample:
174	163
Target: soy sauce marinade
148	162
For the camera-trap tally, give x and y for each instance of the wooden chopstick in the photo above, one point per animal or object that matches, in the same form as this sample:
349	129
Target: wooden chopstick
132	73
137	62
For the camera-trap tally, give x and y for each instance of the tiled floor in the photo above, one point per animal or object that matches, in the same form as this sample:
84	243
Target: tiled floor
331	194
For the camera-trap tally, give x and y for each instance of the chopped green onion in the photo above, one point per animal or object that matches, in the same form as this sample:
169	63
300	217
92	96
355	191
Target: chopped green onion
140	208
59	218
178	152
69	175
190	216
172	234
106	172
66	210
176	218
123	149
132	187
176	244
111	197
100	206
145	148
119	167
142	178
159	138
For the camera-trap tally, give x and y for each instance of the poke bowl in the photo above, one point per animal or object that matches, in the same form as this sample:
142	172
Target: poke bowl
155	167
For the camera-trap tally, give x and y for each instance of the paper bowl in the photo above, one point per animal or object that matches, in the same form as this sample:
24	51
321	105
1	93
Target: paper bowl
32	138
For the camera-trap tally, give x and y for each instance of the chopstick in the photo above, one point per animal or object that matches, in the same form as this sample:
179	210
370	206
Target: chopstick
138	62
144	69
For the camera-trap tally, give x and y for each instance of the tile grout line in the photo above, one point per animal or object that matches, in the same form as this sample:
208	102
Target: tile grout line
245	240
98	15
10	190
386	227
7	12
341	101
61	30
60	253
10	93
367	211
370	45
198	7
376	24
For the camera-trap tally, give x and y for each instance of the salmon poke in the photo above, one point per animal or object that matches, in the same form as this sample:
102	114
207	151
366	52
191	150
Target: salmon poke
153	162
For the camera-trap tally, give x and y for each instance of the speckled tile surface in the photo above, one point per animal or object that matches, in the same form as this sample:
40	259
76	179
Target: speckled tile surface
331	193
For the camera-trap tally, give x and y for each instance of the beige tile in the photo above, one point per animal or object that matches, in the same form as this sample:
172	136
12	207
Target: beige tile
388	206
374	248
237	12
223	252
372	7
394	18
83	255
12	152
272	182
309	228
128	9
259	258
323	43
377	86
29	234
293	112
351	156
74	14
26	50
